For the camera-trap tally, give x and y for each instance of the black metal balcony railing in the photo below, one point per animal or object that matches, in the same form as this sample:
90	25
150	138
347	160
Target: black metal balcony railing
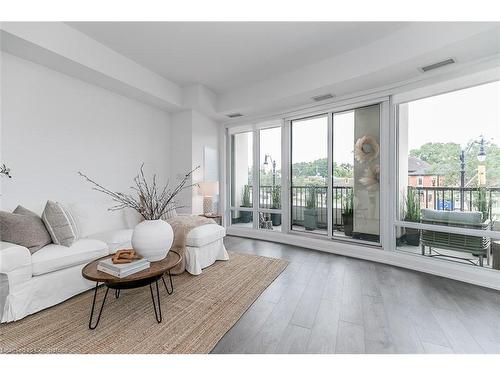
448	198
438	198
300	196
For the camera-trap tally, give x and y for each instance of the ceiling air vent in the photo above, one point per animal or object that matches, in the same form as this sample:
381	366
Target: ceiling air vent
319	98
437	65
234	115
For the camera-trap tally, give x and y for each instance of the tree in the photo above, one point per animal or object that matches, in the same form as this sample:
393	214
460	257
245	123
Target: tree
315	173
444	159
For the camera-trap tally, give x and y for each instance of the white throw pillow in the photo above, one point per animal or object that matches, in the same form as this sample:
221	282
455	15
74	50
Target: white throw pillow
60	224
94	217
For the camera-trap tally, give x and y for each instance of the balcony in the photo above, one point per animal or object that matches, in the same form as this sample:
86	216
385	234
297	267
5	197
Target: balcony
434	198
468	208
299	197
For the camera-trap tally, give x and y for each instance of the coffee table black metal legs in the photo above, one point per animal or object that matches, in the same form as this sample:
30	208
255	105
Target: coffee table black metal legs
171	284
93	305
136	284
157	313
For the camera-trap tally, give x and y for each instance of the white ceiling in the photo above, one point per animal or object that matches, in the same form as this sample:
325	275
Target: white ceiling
227	55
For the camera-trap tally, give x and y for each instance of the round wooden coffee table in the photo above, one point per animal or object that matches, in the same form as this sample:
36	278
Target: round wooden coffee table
142	278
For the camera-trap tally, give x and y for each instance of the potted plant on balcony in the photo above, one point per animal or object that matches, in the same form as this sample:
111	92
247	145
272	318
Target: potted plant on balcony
310	212
482	202
412	213
348	214
276	204
246	216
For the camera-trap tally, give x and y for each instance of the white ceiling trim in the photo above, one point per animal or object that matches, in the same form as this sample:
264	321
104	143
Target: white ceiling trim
63	48
400	48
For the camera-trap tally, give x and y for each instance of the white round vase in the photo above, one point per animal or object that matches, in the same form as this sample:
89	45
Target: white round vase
152	239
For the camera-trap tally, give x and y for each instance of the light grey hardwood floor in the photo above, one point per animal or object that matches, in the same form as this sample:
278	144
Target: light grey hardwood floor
325	303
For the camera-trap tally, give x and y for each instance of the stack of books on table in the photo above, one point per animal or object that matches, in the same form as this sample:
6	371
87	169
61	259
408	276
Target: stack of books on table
122	269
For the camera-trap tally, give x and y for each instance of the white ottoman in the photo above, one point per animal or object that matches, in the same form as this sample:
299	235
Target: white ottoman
205	245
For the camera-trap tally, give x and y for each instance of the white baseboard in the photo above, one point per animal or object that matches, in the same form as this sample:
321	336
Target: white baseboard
467	273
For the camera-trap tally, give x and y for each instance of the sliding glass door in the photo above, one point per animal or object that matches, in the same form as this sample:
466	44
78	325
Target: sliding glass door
341	147
356	174
309	175
255	175
317	175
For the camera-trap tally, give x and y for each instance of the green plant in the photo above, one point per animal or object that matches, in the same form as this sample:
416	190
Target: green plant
245	198
276	197
482	202
412	206
312	198
348	203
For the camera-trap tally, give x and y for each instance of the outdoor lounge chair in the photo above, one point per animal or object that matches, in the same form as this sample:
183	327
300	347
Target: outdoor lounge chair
478	246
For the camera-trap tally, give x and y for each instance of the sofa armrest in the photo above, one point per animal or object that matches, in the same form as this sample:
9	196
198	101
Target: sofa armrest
15	262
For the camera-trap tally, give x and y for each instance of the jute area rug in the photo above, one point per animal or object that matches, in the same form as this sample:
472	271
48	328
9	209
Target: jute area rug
195	317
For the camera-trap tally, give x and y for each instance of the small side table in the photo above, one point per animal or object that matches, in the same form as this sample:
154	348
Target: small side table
495	252
216	217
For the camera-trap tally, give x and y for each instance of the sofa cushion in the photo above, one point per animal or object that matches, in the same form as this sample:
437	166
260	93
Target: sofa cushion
205	234
56	257
23	228
94	217
60	224
115	239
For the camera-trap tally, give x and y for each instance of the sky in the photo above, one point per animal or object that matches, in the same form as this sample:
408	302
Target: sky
456	117
452	117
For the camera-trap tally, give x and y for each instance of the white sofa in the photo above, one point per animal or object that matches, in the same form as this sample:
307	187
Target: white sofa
30	283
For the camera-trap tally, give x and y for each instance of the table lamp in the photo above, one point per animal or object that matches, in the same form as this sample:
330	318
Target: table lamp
208	189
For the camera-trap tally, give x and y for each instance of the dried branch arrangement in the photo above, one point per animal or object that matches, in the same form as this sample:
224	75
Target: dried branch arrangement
149	199
4	170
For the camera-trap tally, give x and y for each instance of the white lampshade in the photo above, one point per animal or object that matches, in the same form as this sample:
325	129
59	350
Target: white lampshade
209	188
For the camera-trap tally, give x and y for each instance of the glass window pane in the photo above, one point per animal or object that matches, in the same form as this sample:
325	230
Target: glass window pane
356	171
449	173
309	161
270	221
456	247
242	219
270	168
241	169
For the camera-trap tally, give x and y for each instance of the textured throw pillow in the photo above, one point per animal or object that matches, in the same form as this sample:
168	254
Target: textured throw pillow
24	228
60	224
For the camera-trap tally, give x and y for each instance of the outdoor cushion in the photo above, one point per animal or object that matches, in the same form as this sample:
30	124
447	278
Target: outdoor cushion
56	257
452	217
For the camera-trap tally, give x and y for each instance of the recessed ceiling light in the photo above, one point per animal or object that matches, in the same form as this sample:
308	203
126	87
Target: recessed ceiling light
322	97
437	65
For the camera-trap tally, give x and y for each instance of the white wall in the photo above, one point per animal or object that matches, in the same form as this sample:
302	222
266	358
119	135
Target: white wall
205	134
180	156
54	126
192	131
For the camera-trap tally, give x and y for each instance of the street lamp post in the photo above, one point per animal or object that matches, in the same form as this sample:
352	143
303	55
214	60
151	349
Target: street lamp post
481	157
273	162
